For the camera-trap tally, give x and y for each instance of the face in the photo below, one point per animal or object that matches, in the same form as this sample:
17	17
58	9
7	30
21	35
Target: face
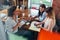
46	14
16	12
41	9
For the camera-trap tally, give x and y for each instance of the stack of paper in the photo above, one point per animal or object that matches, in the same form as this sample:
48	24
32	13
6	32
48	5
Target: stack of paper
33	27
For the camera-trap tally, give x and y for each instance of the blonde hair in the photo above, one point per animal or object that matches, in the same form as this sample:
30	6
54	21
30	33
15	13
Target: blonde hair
51	13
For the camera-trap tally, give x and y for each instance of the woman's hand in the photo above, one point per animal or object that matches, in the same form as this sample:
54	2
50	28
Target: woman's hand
16	26
38	23
38	26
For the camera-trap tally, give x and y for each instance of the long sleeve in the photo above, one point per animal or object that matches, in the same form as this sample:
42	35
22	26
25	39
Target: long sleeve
10	24
2	31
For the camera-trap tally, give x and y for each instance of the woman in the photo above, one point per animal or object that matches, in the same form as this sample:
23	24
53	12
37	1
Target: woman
42	13
12	20
49	23
12	24
41	16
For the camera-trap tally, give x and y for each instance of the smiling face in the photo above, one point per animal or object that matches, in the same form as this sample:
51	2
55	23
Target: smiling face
41	9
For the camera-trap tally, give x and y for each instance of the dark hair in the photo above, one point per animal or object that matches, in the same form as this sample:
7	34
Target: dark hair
11	10
49	10
43	6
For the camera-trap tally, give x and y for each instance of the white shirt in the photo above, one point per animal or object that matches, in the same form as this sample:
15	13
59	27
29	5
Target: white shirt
49	24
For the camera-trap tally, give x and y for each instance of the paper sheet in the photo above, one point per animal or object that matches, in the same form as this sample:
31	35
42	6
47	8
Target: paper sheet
33	27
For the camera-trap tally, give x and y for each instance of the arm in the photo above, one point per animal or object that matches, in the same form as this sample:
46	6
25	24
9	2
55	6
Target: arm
39	23
11	25
43	21
51	25
16	26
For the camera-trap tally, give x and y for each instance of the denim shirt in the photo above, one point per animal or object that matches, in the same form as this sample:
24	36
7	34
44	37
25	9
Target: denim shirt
41	18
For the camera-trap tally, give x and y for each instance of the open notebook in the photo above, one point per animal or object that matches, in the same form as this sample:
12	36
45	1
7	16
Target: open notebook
33	27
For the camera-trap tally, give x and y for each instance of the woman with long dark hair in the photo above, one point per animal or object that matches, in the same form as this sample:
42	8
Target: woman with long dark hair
42	13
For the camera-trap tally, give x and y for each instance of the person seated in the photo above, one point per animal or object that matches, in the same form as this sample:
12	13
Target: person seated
12	20
41	14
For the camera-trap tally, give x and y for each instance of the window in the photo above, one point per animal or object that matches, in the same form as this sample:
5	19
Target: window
36	3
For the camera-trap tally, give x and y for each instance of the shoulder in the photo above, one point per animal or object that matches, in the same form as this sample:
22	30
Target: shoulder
52	21
44	13
8	19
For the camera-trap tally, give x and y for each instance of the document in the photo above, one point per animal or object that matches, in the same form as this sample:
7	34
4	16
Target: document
33	27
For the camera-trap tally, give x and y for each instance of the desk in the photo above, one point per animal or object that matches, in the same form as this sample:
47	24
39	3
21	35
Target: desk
32	35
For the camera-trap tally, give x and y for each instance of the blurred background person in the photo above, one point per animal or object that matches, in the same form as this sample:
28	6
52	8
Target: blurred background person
2	31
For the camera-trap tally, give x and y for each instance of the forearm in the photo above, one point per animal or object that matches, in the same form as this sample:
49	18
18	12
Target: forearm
16	26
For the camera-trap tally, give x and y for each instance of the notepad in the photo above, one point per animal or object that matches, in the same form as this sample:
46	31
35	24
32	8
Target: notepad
33	27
